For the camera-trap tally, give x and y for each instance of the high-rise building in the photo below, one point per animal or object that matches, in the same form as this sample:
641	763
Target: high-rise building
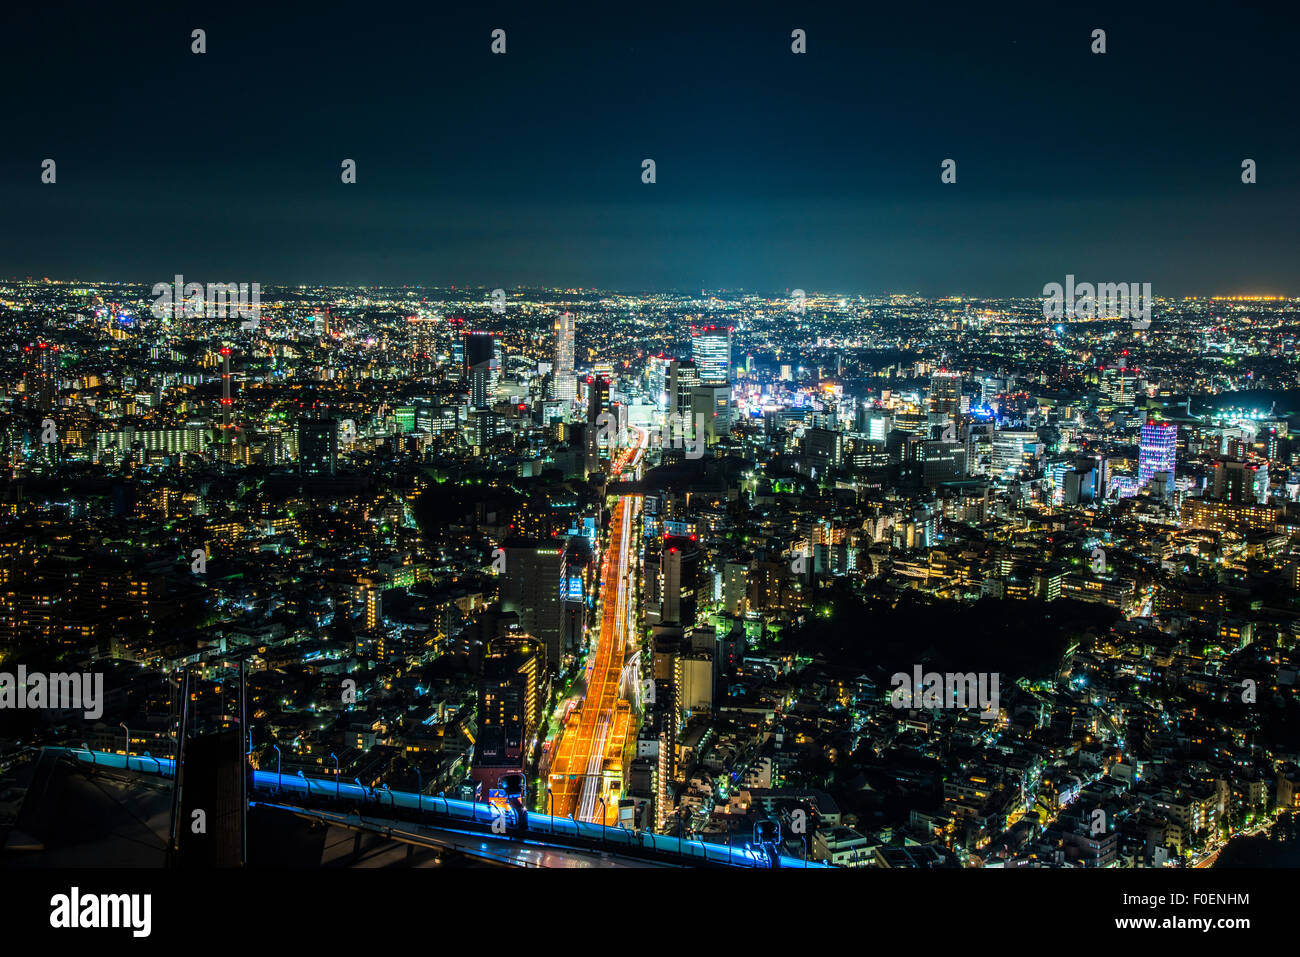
318	441
42	376
531	587
456	368
597	398
942	462
657	379
711	351
563	382
1157	450
680	572
487	426
711	405
945	394
511	697
1240	482
482	366
873	423
1012	450
423	348
683	378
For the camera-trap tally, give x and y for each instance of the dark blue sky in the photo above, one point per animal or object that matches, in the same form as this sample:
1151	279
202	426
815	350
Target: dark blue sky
775	171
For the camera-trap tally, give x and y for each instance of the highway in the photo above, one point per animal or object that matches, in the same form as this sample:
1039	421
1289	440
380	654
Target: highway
590	750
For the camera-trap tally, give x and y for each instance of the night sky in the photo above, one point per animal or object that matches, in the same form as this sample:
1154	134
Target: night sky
775	170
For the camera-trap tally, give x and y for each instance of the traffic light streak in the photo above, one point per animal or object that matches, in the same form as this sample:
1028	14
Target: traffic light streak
593	740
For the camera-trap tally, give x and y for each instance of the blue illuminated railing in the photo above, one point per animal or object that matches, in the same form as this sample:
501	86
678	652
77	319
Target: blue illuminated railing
538	826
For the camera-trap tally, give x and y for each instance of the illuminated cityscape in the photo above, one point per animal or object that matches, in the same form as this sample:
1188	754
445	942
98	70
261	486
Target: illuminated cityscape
778	439
658	640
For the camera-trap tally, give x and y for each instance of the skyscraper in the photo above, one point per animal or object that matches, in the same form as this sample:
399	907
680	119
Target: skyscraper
945	394
1157	450
481	366
318	441
42	383
683	377
597	398
511	696
1242	483
531	586
456	329
711	350
657	379
423	348
563	384
680	571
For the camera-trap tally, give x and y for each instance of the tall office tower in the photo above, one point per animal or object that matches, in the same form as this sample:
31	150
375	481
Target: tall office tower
873	423
481	360
1157	450
456	351
942	462
597	398
511	696
683	377
1120	385
945	394
318	441
480	386
531	587
487	425
423	349
564	385
42	376
1241	482
680	572
656	374
1012	450
711	351
711	404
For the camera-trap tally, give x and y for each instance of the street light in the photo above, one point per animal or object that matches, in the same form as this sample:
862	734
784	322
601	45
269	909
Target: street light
603	815
122	725
336	774
278	776
550	808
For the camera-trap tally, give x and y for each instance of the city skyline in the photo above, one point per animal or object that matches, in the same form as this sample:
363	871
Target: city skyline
662	441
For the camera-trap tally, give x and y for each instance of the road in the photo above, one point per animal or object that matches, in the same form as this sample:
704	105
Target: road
589	754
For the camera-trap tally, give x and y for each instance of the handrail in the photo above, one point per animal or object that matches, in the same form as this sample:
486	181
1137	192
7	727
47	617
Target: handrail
537	828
